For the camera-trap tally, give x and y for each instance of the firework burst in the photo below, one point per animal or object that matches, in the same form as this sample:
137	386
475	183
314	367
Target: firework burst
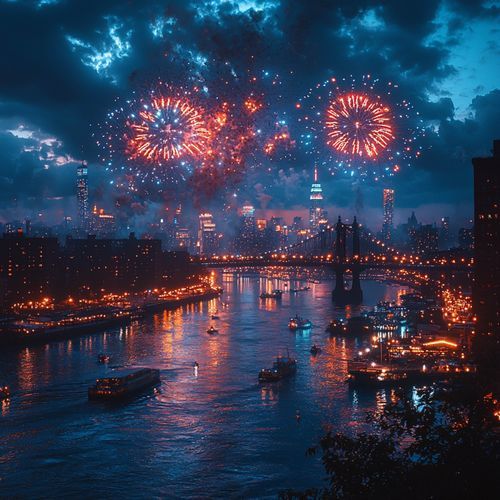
168	128
359	127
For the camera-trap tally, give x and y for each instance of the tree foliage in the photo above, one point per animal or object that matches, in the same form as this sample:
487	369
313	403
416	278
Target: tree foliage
430	444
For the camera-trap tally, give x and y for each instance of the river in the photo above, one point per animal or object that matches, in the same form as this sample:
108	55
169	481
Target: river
215	433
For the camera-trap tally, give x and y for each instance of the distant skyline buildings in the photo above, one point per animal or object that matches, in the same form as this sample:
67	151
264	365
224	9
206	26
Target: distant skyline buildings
388	205
82	195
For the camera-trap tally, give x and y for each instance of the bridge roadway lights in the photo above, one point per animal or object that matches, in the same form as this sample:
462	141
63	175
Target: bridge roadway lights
342	297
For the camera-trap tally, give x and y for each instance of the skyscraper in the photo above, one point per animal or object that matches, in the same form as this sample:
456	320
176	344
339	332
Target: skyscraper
207	237
387	227
316	211
486	292
82	195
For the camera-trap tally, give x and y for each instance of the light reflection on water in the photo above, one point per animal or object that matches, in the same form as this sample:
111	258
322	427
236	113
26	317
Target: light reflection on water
213	433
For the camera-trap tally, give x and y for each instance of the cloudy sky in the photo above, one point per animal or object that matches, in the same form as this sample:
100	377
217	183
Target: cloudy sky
64	63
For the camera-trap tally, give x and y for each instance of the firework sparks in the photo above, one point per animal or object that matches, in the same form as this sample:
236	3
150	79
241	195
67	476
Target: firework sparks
167	129
359	126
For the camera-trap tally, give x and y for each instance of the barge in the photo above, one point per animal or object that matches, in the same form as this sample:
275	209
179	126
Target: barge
124	383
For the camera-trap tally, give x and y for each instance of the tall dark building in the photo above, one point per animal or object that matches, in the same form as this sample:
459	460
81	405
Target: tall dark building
486	293
387	227
82	196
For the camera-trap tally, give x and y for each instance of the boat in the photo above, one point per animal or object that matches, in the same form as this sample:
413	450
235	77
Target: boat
275	294
214	316
315	350
124	383
336	327
301	289
298	323
103	358
212	330
4	393
283	367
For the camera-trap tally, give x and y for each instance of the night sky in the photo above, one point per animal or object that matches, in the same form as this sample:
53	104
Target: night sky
64	63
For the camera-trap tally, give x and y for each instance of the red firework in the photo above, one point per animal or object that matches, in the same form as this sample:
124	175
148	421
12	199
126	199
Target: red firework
167	128
358	126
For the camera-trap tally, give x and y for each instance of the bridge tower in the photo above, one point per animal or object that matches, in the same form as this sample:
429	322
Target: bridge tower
340	295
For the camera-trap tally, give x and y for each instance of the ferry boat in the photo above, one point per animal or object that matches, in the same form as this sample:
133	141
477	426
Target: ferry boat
124	383
336	327
275	294
301	289
315	350
283	367
298	323
212	330
363	373
4	393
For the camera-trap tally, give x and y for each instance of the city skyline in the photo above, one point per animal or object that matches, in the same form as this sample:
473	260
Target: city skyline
459	118
249	249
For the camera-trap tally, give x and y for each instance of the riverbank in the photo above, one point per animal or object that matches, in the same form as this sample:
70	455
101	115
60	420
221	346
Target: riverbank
21	334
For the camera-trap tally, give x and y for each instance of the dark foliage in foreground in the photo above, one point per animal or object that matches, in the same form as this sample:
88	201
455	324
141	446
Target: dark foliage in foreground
435	444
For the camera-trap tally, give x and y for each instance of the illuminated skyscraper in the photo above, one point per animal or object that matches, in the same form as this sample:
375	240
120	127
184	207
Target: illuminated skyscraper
207	237
387	227
316	211
82	195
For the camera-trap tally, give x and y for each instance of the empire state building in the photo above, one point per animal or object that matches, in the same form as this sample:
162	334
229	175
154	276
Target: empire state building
317	215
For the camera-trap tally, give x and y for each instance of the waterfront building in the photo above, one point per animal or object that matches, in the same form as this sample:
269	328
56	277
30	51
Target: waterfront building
114	265
486	294
29	269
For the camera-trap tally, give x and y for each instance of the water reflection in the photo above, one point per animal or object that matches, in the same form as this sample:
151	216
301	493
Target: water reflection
212	430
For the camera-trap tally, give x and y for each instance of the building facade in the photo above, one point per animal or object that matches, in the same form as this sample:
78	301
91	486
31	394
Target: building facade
486	292
388	204
82	196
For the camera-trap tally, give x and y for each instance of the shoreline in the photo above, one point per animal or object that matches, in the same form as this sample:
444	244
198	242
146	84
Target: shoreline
17	339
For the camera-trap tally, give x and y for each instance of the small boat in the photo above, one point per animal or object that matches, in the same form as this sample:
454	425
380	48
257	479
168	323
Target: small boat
301	289
103	358
4	393
212	330
124	383
336	327
275	294
298	323
284	366
315	350
214	316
